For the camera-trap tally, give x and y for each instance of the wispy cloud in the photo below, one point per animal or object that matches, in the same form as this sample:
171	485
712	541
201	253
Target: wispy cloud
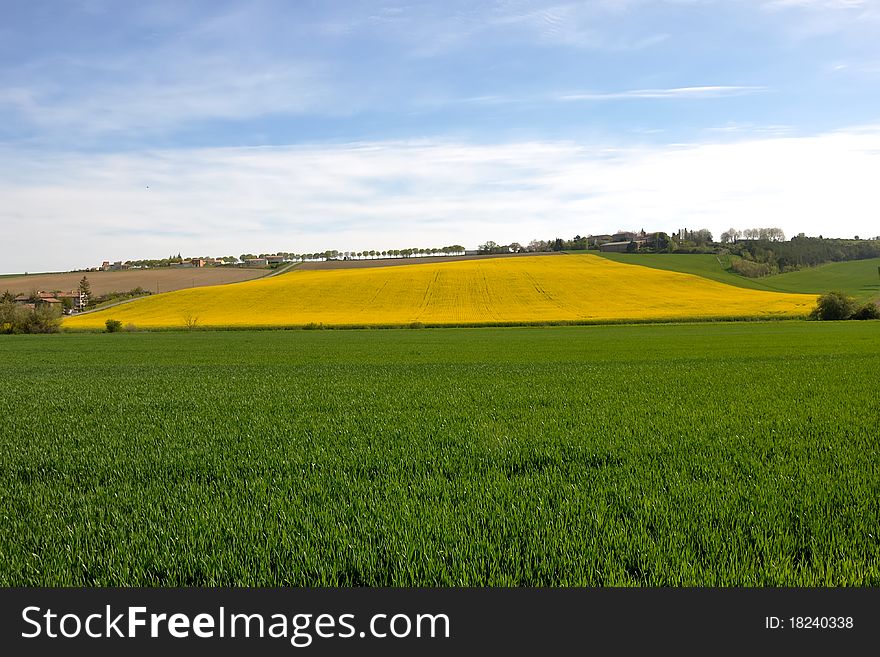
673	93
387	194
206	91
817	4
714	91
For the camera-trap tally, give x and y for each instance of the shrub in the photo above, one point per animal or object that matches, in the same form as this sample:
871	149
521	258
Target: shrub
18	319
750	269
834	305
43	320
417	325
113	325
869	311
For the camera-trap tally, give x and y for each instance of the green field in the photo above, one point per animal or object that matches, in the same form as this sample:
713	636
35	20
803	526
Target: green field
704	454
859	278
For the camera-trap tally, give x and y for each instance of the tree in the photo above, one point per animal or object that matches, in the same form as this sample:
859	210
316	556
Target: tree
833	306
700	237
731	235
113	325
190	321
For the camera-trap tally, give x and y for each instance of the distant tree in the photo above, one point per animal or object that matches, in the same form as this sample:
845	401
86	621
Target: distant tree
833	306
730	236
701	237
776	235
85	288
190	321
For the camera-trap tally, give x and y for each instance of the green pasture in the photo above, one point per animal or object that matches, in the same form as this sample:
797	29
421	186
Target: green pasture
702	454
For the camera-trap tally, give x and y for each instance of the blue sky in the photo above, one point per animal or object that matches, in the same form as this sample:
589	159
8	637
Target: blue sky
134	130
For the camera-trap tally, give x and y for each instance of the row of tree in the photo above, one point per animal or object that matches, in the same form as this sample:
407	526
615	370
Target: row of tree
766	234
655	242
333	254
773	256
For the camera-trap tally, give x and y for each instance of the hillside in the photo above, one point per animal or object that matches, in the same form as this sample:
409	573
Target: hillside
706	265
572	288
165	279
858	278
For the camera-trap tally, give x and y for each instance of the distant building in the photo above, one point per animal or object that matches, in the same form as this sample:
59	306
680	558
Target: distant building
274	259
256	262
77	300
617	247
625	236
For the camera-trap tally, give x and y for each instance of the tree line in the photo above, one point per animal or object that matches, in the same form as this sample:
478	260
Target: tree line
763	257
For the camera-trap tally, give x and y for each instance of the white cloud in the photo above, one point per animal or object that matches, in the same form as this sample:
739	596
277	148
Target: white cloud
676	92
681	93
817	4
68	211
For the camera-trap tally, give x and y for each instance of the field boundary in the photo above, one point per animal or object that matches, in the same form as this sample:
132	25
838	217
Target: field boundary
317	326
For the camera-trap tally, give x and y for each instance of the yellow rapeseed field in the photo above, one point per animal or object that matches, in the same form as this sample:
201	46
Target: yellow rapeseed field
579	288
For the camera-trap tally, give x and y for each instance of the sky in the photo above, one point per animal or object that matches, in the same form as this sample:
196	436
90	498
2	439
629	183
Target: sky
140	130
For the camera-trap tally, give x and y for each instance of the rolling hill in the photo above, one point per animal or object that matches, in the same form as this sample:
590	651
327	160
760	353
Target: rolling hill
859	278
160	279
573	288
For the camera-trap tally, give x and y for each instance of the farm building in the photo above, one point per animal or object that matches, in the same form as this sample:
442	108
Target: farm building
77	300
256	262
618	247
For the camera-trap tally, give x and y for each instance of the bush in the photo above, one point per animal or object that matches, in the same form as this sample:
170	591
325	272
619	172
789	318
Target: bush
750	269
833	306
417	325
869	311
113	325
19	319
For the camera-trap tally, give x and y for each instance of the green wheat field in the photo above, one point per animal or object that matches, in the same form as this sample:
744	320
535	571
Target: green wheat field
742	454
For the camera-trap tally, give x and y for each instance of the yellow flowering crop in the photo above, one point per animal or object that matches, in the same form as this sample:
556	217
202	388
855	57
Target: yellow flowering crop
497	290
